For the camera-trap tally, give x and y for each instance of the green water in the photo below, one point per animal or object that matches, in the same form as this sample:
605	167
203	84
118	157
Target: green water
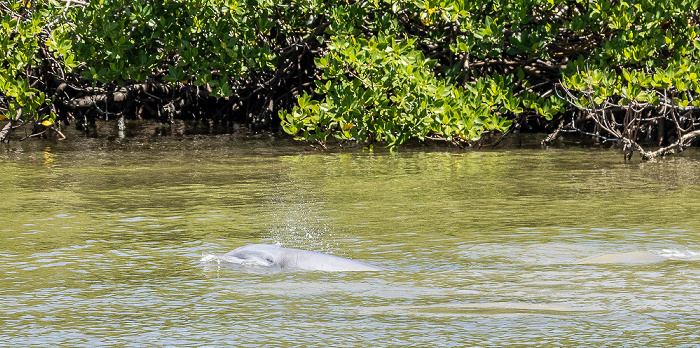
100	244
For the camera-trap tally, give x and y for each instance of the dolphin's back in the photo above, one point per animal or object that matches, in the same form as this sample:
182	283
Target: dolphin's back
316	261
288	258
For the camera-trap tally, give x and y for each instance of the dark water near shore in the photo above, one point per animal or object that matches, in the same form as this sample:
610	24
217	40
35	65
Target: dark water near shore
100	244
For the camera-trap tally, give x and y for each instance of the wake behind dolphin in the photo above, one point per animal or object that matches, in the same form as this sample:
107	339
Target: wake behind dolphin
274	256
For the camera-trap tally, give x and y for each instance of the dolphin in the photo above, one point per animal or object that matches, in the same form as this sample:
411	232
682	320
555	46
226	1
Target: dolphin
275	256
631	258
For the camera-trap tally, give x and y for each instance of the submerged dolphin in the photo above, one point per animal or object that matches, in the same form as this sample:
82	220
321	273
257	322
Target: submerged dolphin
631	258
274	256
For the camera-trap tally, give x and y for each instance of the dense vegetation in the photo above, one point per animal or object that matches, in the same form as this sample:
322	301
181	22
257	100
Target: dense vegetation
362	71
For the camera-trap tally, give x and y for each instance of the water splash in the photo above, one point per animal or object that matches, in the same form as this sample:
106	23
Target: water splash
299	220
210	258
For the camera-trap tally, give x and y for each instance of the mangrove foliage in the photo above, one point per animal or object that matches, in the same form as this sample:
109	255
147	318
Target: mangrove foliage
378	71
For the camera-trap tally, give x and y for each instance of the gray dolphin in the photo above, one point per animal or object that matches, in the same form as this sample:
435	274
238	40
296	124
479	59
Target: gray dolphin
274	256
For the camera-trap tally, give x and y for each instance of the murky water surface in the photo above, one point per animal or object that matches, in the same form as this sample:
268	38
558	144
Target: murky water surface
100	245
